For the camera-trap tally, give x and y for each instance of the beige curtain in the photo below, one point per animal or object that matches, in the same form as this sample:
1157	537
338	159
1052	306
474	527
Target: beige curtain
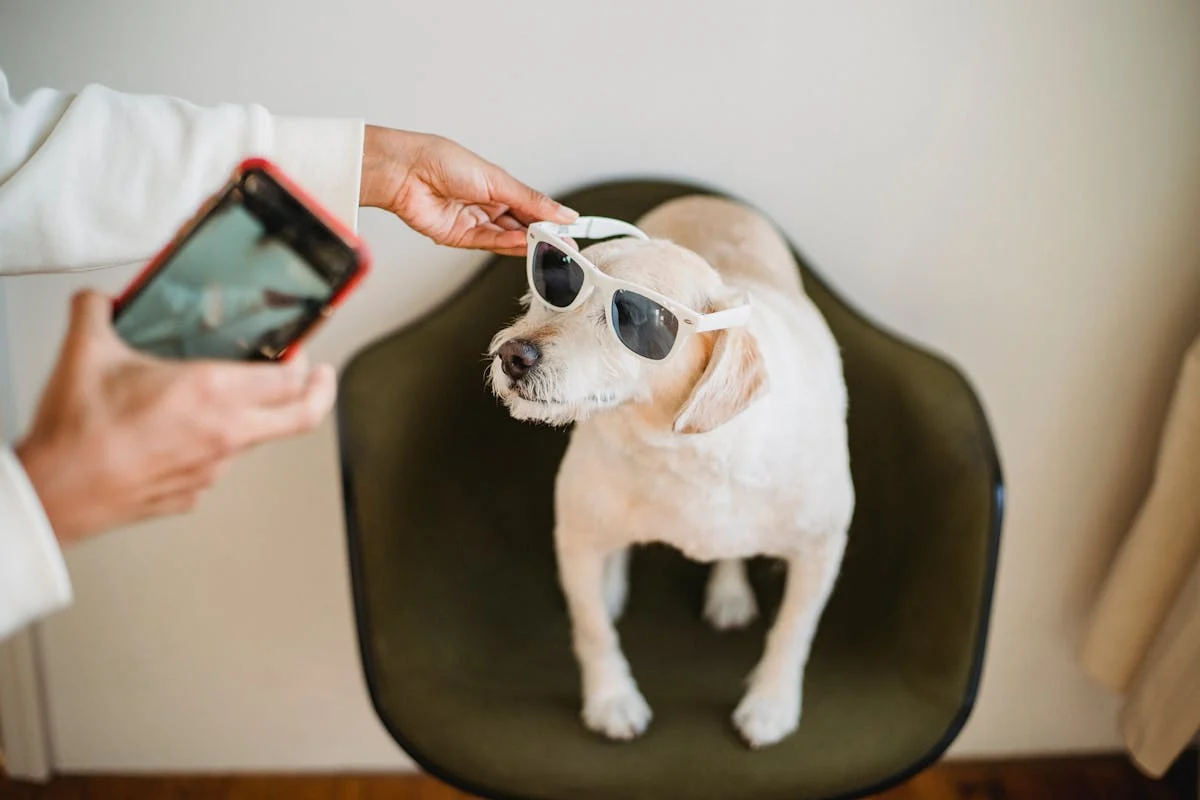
1144	636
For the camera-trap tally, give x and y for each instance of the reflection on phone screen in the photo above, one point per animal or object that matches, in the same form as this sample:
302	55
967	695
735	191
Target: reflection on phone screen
232	287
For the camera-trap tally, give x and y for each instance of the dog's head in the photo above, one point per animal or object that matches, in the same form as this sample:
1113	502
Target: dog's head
561	367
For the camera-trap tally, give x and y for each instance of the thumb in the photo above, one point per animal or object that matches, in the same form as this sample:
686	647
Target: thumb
91	320
91	312
89	324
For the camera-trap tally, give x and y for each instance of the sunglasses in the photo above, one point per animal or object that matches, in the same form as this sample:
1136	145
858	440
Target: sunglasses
648	324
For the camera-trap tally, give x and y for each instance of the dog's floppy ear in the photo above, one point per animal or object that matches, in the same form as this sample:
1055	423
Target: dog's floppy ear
734	377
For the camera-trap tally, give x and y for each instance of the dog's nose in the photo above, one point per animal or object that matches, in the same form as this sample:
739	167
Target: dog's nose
517	357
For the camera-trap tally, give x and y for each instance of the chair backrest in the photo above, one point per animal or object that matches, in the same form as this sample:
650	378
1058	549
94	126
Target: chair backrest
434	466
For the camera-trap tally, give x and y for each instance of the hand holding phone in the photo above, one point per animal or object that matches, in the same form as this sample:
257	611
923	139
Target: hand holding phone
258	268
176	425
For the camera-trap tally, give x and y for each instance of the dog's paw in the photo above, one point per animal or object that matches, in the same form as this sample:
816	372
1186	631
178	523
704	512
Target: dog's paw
767	715
729	605
619	716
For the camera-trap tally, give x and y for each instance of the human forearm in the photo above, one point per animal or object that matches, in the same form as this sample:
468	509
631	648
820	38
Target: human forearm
104	177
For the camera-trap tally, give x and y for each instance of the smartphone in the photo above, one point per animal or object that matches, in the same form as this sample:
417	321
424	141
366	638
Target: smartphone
249	277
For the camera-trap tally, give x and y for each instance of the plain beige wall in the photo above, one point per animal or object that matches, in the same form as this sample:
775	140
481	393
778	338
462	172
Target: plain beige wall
1016	184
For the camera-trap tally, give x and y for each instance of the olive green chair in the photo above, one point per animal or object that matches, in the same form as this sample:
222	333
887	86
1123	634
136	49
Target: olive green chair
464	633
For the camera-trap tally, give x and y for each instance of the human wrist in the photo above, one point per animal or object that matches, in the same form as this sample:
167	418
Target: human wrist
37	460
388	155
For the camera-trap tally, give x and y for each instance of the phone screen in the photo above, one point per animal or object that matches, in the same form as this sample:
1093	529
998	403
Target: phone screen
250	278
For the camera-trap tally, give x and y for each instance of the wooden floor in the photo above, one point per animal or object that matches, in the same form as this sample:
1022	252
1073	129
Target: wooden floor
1053	779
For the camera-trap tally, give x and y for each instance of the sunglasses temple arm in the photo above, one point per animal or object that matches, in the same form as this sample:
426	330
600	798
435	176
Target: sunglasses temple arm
599	228
727	318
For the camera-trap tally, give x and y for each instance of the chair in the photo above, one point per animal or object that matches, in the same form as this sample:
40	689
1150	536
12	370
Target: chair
464	633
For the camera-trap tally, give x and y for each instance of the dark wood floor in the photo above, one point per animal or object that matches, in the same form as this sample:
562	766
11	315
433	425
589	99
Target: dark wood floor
1049	779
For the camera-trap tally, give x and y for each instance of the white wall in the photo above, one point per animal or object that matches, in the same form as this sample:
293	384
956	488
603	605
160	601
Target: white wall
1014	183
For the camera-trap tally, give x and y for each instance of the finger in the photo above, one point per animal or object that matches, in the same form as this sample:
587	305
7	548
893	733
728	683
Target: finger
166	506
501	216
526	202
525	218
255	424
234	384
196	477
495	239
509	223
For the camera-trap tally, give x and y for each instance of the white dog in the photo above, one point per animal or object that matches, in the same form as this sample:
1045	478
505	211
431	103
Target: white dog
733	447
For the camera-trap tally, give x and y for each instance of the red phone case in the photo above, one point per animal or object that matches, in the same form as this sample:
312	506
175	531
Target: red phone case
361	251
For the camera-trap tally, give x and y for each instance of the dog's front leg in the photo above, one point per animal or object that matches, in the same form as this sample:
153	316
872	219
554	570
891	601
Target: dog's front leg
612	704
770	709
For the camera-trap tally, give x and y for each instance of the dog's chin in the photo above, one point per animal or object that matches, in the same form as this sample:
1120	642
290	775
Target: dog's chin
555	412
546	413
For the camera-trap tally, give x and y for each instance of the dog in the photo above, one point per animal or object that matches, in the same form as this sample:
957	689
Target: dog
734	447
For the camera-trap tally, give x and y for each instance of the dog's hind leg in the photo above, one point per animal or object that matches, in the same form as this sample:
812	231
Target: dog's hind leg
770	710
612	704
729	599
616	582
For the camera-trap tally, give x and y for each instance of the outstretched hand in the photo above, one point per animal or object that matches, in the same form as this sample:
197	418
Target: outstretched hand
446	192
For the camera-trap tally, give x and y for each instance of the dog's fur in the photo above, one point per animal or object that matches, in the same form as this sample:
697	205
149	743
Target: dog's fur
735	447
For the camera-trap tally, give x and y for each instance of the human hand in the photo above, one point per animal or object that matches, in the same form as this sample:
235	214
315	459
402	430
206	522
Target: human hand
120	437
448	193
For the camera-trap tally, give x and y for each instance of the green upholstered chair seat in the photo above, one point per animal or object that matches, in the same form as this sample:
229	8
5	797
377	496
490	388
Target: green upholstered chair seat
463	629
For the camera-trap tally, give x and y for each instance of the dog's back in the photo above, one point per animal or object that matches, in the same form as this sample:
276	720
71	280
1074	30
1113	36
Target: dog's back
797	431
802	357
737	241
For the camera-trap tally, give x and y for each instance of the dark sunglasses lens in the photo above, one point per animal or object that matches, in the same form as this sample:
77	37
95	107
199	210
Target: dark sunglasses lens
643	325
556	278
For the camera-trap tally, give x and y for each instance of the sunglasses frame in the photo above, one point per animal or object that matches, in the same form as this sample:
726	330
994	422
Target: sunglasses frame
690	321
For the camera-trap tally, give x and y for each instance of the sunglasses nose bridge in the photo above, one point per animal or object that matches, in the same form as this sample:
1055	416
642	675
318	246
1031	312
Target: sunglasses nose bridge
587	290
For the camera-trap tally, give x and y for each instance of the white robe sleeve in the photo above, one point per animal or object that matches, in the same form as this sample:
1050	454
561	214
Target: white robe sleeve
101	177
33	576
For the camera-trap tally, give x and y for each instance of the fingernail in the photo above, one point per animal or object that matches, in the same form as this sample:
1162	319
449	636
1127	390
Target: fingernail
570	213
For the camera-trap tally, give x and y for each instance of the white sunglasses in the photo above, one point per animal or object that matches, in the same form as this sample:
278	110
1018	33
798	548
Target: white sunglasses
649	324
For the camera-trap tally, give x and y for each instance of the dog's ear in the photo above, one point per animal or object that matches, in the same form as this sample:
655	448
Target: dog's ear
734	377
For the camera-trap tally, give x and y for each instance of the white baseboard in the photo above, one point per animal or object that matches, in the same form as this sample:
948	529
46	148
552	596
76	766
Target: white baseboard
22	725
